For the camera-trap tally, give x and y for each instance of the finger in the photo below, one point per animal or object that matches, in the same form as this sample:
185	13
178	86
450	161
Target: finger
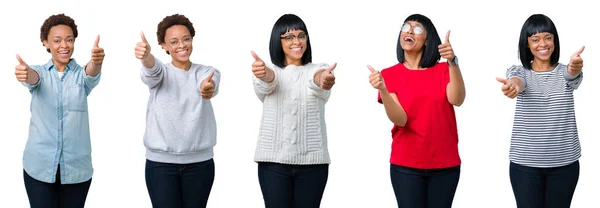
503	81
20	60
371	69
578	53
255	56
329	77
143	38
209	77
331	68
97	41
258	63
447	37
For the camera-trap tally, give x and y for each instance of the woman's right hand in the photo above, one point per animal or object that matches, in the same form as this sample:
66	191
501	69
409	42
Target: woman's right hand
258	67
509	88
376	79
142	49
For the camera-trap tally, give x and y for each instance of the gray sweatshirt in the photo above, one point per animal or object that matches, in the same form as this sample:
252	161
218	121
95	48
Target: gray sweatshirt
180	125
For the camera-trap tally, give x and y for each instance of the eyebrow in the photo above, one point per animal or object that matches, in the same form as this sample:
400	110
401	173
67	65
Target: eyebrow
68	36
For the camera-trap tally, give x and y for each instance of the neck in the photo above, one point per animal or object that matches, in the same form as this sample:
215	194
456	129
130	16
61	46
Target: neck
412	60
289	61
182	65
540	65
59	66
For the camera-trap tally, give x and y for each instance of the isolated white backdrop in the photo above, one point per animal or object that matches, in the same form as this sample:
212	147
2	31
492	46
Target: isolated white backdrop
484	36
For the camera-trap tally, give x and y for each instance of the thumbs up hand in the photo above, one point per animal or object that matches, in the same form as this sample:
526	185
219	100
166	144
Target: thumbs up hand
97	53
142	49
24	73
260	70
22	70
327	78
376	79
509	88
207	88
445	49
576	63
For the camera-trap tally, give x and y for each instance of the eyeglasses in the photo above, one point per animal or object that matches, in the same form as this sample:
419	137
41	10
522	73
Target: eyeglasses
417	29
290	38
185	40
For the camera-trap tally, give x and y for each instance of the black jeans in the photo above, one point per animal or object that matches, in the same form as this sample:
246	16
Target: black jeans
55	195
419	188
292	186
179	185
544	187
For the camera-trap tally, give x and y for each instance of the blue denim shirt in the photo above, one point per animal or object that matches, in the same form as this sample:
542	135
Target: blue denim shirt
59	131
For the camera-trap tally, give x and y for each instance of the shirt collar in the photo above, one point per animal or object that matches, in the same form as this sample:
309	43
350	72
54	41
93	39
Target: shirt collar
71	65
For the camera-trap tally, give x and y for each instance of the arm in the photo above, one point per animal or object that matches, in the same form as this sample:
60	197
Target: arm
390	101
26	75
152	71
95	64
574	74
210	83
321	81
263	88
455	90
393	109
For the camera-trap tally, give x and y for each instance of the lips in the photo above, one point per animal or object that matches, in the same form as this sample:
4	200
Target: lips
182	52
543	51
409	39
296	49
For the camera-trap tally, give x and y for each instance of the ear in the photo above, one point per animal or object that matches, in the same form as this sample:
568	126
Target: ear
164	47
45	43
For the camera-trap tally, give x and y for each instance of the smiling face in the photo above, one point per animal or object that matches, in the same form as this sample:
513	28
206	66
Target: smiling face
541	46
178	42
413	36
61	43
293	44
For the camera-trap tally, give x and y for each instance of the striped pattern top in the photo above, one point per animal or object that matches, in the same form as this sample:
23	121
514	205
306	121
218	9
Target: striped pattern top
544	130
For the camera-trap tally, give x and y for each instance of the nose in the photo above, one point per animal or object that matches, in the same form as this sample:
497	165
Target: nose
63	44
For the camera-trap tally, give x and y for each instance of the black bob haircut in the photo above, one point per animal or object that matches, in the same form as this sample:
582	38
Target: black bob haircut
284	24
537	23
431	54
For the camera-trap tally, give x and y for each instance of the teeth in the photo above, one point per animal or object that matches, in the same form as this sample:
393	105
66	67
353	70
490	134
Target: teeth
296	49
409	39
63	52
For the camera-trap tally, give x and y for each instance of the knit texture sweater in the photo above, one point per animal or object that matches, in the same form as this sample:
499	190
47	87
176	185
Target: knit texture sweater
292	128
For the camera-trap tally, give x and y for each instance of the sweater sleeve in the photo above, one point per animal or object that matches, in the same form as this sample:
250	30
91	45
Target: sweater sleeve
262	88
153	76
314	89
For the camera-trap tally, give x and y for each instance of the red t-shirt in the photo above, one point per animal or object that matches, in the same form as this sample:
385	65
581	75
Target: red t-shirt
429	139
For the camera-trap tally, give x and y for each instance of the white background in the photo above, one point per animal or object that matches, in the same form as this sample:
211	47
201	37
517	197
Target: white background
484	36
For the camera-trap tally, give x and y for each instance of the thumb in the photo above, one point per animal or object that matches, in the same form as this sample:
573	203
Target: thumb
255	56
209	77
21	60
331	68
578	52
503	81
447	37
97	41
371	69
143	38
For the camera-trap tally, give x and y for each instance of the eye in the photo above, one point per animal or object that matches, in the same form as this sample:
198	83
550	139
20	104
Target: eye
187	39
173	42
303	37
535	40
56	41
70	40
289	38
549	38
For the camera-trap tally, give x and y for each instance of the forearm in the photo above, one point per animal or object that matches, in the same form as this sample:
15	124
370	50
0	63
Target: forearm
33	77
269	76
148	62
92	69
518	82
456	88
393	109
